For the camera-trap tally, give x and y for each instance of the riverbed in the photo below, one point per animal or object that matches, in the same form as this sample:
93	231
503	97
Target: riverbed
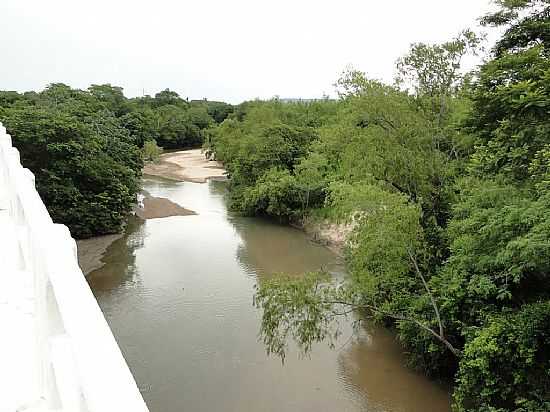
177	293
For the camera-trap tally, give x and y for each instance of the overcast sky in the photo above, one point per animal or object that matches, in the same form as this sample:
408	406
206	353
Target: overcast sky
230	50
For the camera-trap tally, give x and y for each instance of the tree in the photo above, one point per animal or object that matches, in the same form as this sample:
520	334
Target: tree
9	98
311	173
168	97
526	23
151	152
219	111
433	73
434	70
511	98
142	125
173	127
84	147
274	194
112	98
444	179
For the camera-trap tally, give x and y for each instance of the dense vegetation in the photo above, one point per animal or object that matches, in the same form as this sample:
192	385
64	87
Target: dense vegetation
86	148
442	178
445	180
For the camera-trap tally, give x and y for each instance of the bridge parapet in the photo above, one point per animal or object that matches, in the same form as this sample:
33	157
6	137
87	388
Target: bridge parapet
58	352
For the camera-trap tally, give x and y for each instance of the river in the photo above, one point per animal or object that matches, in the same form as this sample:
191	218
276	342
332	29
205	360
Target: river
177	293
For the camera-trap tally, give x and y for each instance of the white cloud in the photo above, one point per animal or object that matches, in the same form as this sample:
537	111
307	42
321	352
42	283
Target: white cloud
220	49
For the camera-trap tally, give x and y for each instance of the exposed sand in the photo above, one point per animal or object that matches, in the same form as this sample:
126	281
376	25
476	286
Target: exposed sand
187	165
159	207
91	251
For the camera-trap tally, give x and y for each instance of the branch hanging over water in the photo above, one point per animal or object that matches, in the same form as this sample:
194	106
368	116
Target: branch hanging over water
307	310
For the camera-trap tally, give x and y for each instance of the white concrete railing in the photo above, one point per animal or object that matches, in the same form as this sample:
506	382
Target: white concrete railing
57	352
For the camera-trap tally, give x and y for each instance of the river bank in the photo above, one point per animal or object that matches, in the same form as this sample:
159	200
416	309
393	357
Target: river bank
332	235
187	165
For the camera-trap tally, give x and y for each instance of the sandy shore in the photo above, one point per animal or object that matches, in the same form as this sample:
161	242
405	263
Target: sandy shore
187	165
91	251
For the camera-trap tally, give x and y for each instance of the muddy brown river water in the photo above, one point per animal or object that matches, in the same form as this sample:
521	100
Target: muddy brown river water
177	293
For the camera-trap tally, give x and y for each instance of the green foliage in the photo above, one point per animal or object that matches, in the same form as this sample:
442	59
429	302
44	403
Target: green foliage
527	24
274	194
511	102
87	175
512	95
500	243
540	169
433	70
388	230
311	180
218	111
112	98
142	125
168	97
174	129
499	253
270	143
384	136
506	364
303	309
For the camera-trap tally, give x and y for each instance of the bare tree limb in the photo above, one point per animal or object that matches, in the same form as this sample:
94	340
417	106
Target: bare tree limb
440	337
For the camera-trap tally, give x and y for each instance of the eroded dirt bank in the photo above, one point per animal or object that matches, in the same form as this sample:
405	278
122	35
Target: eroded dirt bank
90	251
330	234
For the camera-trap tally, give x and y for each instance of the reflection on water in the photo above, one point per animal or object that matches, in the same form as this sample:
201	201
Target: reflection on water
284	250
177	293
120	259
372	368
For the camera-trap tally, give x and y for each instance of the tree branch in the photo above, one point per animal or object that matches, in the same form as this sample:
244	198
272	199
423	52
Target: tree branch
440	337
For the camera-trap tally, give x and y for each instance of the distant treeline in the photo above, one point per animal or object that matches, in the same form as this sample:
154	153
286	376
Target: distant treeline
85	146
445	180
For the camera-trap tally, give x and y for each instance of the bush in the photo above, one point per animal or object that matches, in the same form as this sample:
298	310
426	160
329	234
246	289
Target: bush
506	364
274	194
151	152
